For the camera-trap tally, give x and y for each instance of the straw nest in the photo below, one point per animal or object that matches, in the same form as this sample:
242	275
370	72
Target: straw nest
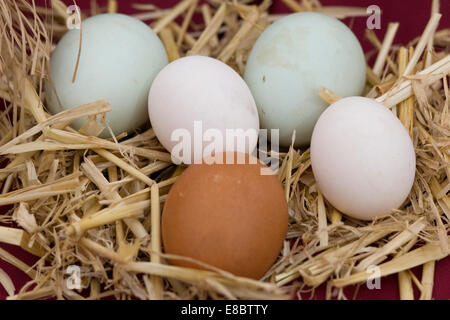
77	199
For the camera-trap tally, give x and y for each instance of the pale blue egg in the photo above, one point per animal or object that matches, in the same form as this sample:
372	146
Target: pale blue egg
120	57
289	64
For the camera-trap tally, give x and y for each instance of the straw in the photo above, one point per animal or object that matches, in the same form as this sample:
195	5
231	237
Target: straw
384	50
78	199
409	260
157	283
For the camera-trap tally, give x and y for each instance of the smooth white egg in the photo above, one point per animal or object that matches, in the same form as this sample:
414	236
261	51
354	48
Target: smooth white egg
120	56
199	106
362	158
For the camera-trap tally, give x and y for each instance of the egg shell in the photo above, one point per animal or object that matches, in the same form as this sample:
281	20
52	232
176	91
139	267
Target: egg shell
362	158
226	215
201	89
120	56
290	63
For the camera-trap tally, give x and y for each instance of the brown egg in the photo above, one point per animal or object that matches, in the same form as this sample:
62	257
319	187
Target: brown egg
226	215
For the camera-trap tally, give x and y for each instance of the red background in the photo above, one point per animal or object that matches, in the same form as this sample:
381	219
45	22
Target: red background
412	16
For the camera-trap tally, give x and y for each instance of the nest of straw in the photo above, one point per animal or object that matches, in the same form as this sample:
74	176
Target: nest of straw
77	199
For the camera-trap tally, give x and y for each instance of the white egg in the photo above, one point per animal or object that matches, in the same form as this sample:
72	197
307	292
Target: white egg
290	63
120	56
199	105
362	158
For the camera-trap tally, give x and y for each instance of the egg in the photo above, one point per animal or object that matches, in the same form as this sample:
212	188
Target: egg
290	63
200	106
229	216
120	56
362	158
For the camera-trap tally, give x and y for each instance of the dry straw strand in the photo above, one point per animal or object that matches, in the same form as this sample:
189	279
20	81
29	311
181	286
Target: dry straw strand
96	202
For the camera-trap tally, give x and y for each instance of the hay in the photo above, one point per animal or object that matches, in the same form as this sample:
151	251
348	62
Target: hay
82	200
